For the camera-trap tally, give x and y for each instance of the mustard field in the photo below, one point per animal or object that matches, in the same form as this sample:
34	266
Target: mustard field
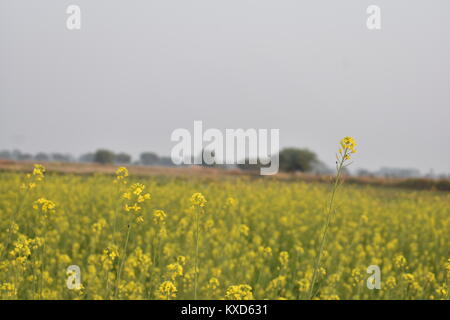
124	237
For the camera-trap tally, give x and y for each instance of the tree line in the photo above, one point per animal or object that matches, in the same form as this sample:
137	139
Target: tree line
291	159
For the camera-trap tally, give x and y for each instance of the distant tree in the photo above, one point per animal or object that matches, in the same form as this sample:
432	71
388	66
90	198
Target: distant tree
123	158
149	158
166	162
59	157
15	154
24	157
87	157
104	156
293	159
41	156
5	154
251	166
364	173
318	167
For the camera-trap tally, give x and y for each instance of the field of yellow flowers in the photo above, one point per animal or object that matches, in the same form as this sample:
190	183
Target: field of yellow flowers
235	238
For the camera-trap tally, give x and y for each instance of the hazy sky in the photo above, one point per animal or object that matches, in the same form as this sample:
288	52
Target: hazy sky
137	70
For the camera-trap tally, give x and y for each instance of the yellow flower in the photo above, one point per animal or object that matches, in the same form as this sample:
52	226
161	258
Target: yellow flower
408	277
36	176
430	277
159	217
134	197
133	207
198	200
140	219
303	285
167	290
8	288
244	229
174	270
99	226
121	175
442	291
391	282
348	144
213	283
44	205
400	261
284	259
239	292
266	251
38	172
109	257
231	202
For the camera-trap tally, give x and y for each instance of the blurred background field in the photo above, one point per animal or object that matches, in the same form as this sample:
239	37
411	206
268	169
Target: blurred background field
258	237
416	183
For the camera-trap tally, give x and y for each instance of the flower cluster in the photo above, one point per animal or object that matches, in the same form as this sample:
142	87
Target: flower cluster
44	206
121	175
159	217
167	290
239	292
34	178
134	197
198	200
348	146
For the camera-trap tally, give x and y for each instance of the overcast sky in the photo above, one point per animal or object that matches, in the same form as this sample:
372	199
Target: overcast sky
137	70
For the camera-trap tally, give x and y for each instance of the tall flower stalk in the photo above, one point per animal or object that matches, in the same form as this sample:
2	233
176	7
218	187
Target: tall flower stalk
46	209
198	202
343	156
134	197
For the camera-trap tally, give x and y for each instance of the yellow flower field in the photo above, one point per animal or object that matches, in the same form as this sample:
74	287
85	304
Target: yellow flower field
141	238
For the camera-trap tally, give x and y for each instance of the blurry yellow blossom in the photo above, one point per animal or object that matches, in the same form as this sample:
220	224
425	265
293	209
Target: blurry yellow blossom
44	205
400	261
159	216
8	289
284	259
134	197
35	177
174	270
244	229
239	292
198	200
121	175
167	290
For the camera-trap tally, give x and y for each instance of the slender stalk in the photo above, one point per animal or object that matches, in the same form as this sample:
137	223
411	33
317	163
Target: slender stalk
43	252
196	255
122	263
327	224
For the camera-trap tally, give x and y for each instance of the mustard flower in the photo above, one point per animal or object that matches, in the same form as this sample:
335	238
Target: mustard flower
167	290
239	292
198	200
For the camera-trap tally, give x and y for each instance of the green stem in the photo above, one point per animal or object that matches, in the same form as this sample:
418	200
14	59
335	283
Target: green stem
122	263
327	224
196	255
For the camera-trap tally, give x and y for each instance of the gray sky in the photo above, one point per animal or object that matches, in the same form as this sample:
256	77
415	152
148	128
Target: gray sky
137	70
